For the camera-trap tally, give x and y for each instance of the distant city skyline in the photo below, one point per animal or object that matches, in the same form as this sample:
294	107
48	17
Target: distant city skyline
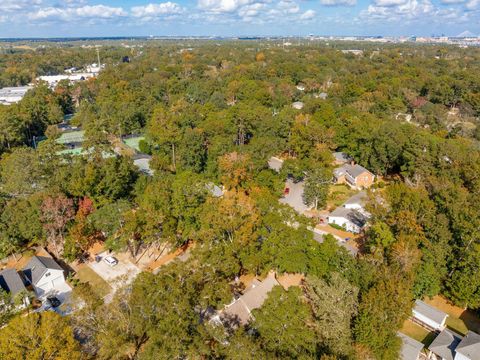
74	18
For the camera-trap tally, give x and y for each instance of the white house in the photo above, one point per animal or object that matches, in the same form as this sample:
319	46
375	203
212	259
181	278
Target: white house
45	275
469	347
449	345
428	316
351	215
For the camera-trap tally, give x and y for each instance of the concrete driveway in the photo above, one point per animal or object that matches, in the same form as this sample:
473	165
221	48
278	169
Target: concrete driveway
122	273
62	292
294	197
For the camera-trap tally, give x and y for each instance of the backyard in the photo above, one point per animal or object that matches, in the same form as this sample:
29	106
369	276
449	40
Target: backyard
100	286
459	320
417	332
339	193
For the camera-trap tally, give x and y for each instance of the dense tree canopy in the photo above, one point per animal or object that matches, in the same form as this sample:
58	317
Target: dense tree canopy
212	114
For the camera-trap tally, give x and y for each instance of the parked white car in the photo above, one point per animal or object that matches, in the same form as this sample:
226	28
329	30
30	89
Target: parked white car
110	260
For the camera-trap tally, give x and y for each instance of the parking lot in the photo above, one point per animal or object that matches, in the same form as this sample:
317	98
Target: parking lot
122	273
294	197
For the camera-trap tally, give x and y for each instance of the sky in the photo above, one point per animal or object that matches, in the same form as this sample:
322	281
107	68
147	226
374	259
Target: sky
71	18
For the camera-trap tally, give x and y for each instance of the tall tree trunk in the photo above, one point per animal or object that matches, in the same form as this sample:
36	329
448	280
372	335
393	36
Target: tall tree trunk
173	158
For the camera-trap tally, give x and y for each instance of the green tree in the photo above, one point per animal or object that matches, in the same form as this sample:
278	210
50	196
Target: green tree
382	311
39	336
283	324
334	305
317	184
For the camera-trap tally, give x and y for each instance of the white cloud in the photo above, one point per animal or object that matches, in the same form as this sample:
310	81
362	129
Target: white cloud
289	6
473	4
407	10
338	2
389	3
308	15
257	12
222	6
18	5
452	2
156	10
250	11
73	13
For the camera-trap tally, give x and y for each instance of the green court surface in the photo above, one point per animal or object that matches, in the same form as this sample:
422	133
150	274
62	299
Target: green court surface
71	137
76	151
134	142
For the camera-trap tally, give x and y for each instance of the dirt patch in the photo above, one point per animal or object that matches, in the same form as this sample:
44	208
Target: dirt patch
459	319
287	280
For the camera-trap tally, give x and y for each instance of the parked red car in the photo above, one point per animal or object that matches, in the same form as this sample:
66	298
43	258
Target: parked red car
286	191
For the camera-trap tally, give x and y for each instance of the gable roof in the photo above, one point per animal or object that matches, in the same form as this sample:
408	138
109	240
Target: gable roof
38	266
252	299
470	346
445	344
352	215
352	170
355	170
357	199
410	347
11	282
429	311
341	157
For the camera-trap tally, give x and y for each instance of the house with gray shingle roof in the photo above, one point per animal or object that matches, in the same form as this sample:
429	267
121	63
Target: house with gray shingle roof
239	312
351	215
469	347
12	283
341	158
444	345
353	175
448	345
44	274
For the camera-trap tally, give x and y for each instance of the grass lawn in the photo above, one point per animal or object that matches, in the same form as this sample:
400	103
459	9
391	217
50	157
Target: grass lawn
459	320
100	286
456	325
418	333
338	195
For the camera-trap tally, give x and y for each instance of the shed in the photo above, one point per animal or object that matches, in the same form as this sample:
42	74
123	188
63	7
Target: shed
411	348
428	316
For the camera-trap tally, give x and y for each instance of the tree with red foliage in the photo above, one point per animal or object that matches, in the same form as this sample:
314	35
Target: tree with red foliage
56	213
82	234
